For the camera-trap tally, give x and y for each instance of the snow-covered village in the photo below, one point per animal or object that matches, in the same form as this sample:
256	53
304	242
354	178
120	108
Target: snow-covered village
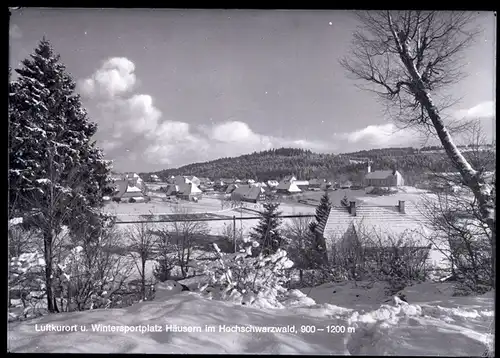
220	181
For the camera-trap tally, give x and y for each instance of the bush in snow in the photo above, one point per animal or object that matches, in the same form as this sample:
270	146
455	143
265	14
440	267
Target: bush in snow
366	254
246	278
27	284
464	238
90	275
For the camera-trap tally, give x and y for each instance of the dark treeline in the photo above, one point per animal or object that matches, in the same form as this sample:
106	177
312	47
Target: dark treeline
276	163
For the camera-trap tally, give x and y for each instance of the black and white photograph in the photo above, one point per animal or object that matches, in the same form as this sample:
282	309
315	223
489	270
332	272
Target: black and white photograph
251	181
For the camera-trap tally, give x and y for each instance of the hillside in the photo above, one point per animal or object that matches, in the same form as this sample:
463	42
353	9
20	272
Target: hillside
276	163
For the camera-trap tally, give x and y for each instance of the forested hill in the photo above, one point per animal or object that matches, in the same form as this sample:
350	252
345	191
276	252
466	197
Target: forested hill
276	163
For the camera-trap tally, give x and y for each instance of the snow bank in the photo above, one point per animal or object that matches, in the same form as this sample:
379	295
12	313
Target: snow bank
393	328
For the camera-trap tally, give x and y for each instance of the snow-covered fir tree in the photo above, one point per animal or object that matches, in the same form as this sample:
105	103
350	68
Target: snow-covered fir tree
318	251
322	211
57	175
267	232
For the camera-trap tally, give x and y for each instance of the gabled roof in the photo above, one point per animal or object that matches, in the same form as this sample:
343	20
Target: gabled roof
380	174
301	182
172	189
189	189
288	186
248	192
317	181
123	187
382	221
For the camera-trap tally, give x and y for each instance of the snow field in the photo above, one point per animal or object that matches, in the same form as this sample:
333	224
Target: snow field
382	329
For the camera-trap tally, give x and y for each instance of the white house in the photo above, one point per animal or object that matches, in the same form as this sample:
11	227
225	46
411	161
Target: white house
124	190
272	183
379	227
155	178
287	187
383	178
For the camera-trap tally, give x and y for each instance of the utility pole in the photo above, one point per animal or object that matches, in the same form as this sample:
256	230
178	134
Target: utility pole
234	232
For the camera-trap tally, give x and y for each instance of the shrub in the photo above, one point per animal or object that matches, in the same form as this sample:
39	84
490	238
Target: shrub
248	279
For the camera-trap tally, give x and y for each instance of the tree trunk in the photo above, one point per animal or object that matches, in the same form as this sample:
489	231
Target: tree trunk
47	241
481	190
143	279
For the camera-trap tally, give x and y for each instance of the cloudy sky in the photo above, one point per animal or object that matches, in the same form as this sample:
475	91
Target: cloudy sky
172	87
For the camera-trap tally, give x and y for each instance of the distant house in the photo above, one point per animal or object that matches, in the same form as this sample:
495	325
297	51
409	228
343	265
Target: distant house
302	184
377	227
272	183
171	189
124	191
248	193
171	180
193	180
189	191
227	181
206	181
383	178
186	191
181	179
231	187
154	178
316	183
346	185
290	178
250	181
287	187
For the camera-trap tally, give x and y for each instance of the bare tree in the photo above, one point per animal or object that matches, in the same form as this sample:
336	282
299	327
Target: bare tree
91	272
166	254
461	235
52	212
300	244
143	243
460	230
408	55
185	233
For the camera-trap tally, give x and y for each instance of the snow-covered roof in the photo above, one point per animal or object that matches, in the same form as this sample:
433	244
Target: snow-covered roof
189	189
380	174
317	181
383	220
251	192
288	186
133	189
301	182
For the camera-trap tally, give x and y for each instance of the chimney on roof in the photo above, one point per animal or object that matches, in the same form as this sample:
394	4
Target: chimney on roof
352	208
401	207
369	169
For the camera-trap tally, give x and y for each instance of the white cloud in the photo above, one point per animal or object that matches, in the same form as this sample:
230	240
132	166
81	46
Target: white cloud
116	76
15	32
233	132
482	110
379	136
133	133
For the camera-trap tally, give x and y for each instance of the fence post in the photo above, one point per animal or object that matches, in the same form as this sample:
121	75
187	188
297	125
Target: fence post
234	232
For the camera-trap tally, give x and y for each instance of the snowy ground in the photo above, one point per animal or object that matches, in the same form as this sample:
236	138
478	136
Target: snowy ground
447	326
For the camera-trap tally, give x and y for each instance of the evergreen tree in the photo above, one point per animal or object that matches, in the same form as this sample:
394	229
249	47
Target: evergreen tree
322	211
318	251
267	232
57	176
